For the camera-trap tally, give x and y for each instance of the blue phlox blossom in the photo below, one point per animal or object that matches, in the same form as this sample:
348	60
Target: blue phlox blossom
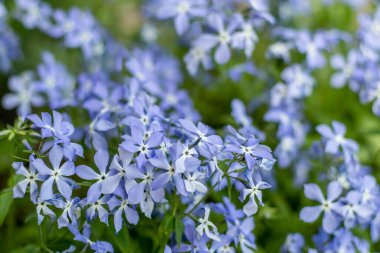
141	142
121	163
223	244
346	69
31	177
300	83
168	173
42	208
194	182
222	40
24	94
79	30
34	14
245	38
55	82
239	113
368	30
312	46
141	192
330	208
250	149
198	56
97	209
371	94
144	113
335	140
101	159
207	142
121	207
61	131
253	189
103	99
207	227
241	117
186	158
3	13
182	11
149	153
70	209
353	210
293	243
57	175
294	8
239	226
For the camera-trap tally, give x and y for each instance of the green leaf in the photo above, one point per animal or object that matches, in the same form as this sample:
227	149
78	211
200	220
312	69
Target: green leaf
179	228
31	248
4	132
6	199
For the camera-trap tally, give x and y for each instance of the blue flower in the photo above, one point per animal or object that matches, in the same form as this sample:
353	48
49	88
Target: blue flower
300	83
96	208
246	38
34	14
201	135
169	173
346	69
101	159
70	210
255	186
353	210
198	56
56	82
186	158
330	208
140	191
335	139
57	175
121	163
250	149
193	182
141	142
222	39
24	94
120	205
207	227
31	177
181	11
42	207
59	129
293	243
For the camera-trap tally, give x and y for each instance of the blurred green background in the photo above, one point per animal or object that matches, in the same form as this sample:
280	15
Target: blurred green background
123	20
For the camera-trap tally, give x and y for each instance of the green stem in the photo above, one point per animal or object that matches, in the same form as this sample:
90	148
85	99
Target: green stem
42	241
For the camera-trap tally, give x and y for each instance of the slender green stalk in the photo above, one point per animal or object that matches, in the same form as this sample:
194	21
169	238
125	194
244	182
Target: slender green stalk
43	246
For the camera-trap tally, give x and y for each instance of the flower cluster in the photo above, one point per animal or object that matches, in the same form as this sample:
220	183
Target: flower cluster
352	195
212	28
118	144
160	153
9	44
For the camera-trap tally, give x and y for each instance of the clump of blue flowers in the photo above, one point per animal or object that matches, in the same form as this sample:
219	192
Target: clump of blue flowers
119	146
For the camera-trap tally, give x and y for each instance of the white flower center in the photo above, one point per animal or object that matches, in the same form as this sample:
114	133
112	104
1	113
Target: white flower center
183	7
224	37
